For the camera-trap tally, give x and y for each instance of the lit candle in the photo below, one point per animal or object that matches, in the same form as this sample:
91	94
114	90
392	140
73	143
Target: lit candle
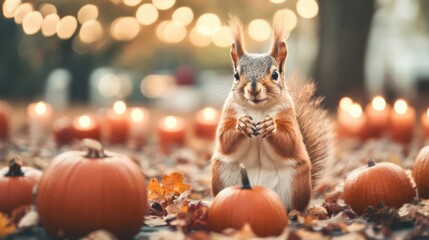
343	117
63	132
171	132
206	121
425	122
402	120
355	122
39	120
139	123
117	123
377	114
86	126
4	120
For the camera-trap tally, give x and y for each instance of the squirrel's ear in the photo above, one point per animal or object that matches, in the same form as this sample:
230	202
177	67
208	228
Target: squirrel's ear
236	54
279	52
237	48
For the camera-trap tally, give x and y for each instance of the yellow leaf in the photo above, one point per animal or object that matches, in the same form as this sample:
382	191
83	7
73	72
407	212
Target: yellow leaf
171	185
6	227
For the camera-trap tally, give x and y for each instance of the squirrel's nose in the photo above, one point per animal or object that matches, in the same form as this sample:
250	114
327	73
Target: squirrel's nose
254	92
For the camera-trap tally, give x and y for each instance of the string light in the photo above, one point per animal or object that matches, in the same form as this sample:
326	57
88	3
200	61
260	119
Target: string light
198	39
125	28
174	32
49	25
21	11
91	31
66	27
288	17
307	8
222	38
208	24
87	12
147	14
163	4
47	9
9	7
132	3
32	22
259	30
183	16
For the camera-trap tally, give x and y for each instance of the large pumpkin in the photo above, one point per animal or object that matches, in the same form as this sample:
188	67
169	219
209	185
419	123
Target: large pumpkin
421	172
258	206
372	184
82	192
16	185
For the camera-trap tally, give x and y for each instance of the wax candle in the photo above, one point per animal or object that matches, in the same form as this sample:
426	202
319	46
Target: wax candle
117	123
402	119
425	122
39	120
343	116
355	122
4	120
171	132
86	126
377	113
139	123
63	132
206	121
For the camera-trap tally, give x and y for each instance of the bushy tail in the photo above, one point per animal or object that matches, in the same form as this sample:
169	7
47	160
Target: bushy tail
314	123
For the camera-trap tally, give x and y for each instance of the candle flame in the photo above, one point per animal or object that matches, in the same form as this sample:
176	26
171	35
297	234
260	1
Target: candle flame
85	121
346	103
137	115
170	122
355	110
209	113
119	107
40	108
400	106
427	113
378	103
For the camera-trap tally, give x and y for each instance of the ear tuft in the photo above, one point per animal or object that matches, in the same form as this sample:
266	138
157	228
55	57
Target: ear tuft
237	48
279	49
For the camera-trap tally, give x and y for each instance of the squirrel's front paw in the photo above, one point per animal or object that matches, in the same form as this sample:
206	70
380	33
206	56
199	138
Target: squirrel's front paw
246	126
266	127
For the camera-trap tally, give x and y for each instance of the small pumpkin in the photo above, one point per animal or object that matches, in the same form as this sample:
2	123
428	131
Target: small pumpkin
258	206
383	182
83	192
16	185
421	172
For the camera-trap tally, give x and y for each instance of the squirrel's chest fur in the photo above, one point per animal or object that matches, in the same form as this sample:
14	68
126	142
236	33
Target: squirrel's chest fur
265	167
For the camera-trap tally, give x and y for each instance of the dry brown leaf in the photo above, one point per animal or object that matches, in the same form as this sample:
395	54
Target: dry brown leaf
6	226
171	185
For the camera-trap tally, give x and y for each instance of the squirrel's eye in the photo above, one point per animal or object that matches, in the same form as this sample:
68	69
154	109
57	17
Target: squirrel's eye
236	76
275	75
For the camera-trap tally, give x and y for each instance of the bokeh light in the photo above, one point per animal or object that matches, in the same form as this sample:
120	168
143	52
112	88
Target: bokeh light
132	3
49	25
155	86
32	22
289	18
87	12
147	14
66	27
277	1
259	30
163	4
91	31
346	103
378	103
125	28
47	9
208	24
174	32
198	39
355	110
21	11
9	7
160	29
307	8
400	106
183	15
222	37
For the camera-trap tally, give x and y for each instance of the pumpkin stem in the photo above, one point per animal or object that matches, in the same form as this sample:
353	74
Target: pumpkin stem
245	183
95	149
15	170
371	163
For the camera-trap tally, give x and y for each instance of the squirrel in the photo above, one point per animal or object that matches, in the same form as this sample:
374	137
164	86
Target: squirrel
275	127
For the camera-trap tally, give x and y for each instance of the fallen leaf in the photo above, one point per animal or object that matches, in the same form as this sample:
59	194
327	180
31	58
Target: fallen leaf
29	220
6	226
192	218
171	185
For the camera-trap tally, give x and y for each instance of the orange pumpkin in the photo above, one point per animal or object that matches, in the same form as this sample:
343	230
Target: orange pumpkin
385	182
421	172
16	185
258	206
82	192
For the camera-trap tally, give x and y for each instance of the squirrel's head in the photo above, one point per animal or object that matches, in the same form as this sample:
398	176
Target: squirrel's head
258	78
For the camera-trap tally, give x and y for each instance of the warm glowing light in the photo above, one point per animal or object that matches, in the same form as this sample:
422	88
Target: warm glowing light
346	103
307	8
427	113
9	7
278	1
87	12
163	4
174	32
137	115
401	106
183	16
32	22
125	28
154	86
40	108
85	121
208	24
378	103
147	14
66	27
210	114
119	107
355	110
288	17
21	11
222	37
199	39
47	9
259	30
170	122
132	3
160	29
49	25
91	31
